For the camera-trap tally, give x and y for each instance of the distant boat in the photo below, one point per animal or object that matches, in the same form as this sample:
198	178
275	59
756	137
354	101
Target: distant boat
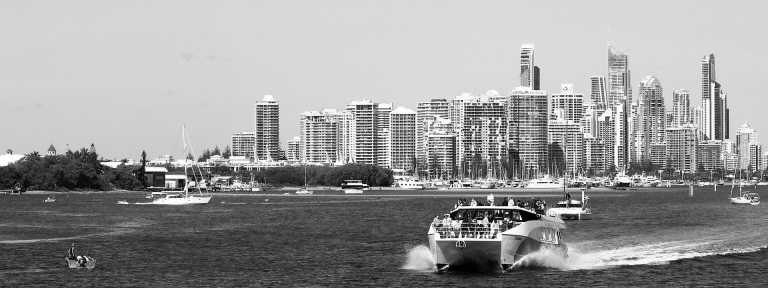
304	191
543	183
570	208
50	199
183	198
353	186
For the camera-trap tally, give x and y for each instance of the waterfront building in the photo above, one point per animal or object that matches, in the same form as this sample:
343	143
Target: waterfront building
652	117
320	136
528	139
371	132
659	155
681	148
570	102
402	129
709	155
293	153
243	144
594	155
681	108
266	130
426	114
598	92
606	133
589	121
714	102
384	148
482	136
746	136
441	154
731	161
567	135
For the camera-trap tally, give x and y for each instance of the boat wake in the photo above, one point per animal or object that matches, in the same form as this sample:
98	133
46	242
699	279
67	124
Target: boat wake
420	258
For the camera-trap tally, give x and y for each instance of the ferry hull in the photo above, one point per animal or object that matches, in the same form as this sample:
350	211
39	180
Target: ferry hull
486	254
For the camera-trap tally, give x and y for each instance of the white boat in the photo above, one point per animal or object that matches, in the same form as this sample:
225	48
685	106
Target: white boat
183	197
494	237
304	191
353	186
622	181
409	184
571	208
543	183
50	199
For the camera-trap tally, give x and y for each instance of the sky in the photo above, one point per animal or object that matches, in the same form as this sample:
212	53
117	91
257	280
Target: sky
126	75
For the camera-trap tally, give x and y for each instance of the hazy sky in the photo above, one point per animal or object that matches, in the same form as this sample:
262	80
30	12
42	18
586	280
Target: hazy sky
126	75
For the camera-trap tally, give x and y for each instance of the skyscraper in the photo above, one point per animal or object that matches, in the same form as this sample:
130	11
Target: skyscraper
598	92
426	114
566	135
528	127
681	148
652	120
402	140
383	147
365	139
681	108
527	64
714	102
319	136
619	87
482	136
569	102
266	130
746	136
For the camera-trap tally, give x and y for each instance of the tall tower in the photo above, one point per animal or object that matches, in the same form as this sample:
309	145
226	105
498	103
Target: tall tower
652	120
619	89
528	127
402	140
527	64
598	93
714	102
681	108
570	103
266	130
427	114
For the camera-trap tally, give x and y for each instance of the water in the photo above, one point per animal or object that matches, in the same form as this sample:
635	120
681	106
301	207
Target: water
644	238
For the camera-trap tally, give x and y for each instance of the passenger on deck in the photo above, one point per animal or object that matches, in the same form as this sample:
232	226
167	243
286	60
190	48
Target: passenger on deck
473	202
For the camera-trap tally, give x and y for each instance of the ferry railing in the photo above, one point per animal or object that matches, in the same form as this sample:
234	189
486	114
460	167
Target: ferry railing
471	230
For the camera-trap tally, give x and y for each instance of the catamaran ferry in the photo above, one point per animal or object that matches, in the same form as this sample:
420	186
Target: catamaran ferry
492	236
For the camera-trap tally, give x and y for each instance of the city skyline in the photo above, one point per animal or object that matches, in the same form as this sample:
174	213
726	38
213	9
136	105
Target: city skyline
212	71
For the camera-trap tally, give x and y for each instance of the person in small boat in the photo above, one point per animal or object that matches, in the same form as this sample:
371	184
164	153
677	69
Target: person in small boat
71	252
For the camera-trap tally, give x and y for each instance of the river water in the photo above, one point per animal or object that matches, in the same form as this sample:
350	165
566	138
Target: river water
635	238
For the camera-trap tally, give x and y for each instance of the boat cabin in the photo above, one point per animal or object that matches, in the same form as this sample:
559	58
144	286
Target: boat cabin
481	222
569	204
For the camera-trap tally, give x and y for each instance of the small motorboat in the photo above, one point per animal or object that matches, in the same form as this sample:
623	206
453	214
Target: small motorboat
50	199
122	202
79	261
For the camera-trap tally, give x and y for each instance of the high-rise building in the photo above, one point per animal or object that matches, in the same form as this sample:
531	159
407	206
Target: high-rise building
366	140
266	130
242	144
427	113
383	134
659	155
652	118
482	136
598	92
569	102
714	102
681	108
709	154
402	140
528	140
320	136
755	156
681	148
441	154
293	153
566	135
594	155
745	137
619	87
612	125
527	64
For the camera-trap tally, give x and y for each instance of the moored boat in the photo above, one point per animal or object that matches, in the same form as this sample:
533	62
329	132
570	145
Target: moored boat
493	237
569	208
543	183
353	186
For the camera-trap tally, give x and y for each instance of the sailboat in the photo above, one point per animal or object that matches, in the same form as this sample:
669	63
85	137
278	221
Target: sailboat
744	197
304	191
185	198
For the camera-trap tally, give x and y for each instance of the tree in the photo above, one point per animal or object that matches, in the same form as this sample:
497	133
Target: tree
227	152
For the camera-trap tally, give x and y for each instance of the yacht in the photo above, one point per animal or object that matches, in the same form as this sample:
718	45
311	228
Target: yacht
622	181
543	183
184	197
744	197
570	208
493	237
353	186
305	190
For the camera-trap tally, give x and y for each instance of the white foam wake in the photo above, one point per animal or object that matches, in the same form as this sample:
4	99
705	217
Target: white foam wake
420	258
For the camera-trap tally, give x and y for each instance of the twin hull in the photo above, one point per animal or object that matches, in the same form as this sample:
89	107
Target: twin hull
501	252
